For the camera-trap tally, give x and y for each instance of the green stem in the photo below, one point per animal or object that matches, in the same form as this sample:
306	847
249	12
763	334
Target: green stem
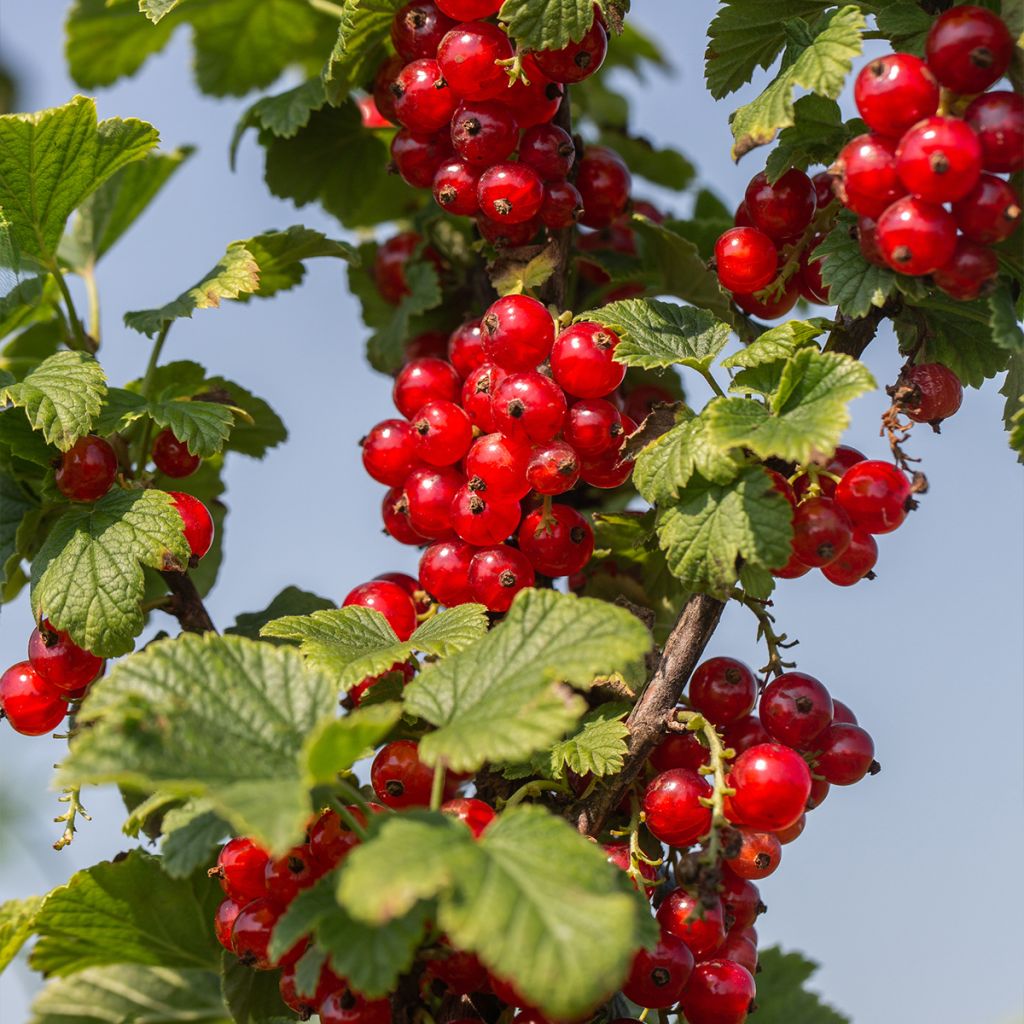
326	7
353	795
88	275
81	342
775	642
719	755
437	787
142	452
353	823
535	788
712	383
820	223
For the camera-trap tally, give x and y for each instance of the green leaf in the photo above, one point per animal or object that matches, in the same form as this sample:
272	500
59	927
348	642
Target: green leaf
817	60
221	717
156	10
353	643
710	219
599	747
281	115
87	578
808	414
386	348
359	49
906	25
546	24
203	426
339	742
1006	331
112	209
713	526
662	166
816	135
253	438
659	334
191	833
522	274
781	996
290	601
281	256
61	397
15	503
499	699
252	997
127	912
126	992
121	408
52	160
1013	411
776	345
17	923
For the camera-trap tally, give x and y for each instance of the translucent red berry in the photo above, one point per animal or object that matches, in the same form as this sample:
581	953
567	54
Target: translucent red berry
481	519
562	205
741	900
29	702
781	209
444	571
583	363
454	188
939	159
251	931
383	97
418	158
679	750
740	950
812	287
510	193
497	574
760	853
746	733
821	531
389	264
700	925
390	600
609	470
503	235
549	150
292	871
935	392
398	776
466	350
772	784
389	452
469	10
771	307
672	807
197	523
990	212
422	381
604	182
345	1007
575	61
518	332
304	1005
241	867
719	992
475	815
418	28
484	132
224	920
394	510
557	544
528	405
593	426
795	708
496	465
536	103
60	661
970	271
468	56
998	120
842	459
874	495
723	690
553	468
866	180
968	48
423	101
916	237
443	432
845	754
658	977
172	457
894	92
867	241
855	562
746	260
87	469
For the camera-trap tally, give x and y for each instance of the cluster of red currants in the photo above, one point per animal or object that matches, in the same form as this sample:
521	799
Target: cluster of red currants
486	443
476	122
926	185
786	758
35	695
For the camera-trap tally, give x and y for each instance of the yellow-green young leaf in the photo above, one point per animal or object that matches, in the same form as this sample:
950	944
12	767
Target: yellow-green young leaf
499	700
808	412
52	160
224	718
87	578
781	996
156	10
61	396
126	912
598	747
360	47
817	59
514	276
338	743
352	643
657	334
203	426
713	526
547	24
17	923
126	992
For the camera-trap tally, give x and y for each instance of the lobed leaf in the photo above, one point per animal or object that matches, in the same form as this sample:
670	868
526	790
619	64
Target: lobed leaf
781	996
338	743
363	28
547	24
599	746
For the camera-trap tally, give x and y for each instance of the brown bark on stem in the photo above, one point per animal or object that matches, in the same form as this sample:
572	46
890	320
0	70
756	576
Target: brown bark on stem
186	605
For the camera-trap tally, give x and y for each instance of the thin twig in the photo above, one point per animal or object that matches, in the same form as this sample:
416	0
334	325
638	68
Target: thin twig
72	796
185	604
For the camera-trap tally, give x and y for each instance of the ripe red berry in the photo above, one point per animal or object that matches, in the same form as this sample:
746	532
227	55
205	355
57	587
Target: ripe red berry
477	394
658	977
536	103
241	867
469	10
558	544
468	57
497	574
970	271
575	61
842	713
866	178
417	30
503	235
781	210
894	92
528	405
394	510
389	452
842	459
874	495
496	466
746	260
390	600
771	308
939	159
772	784
454	188
389	264
418	158
197	523
719	992
483	520
87	469
345	1007
740	950
476	816
593	426
549	150
812	287
383	97
823	188
32	705
306	1006
792	570
759	855
295	870
553	468
583	363
609	470
518	332
443	433
60	661
795	708
562	205
998	120
968	48
672	807
484	132
845	755
990	212
444	571
819	790
224	920
723	690
172	457
855	562
640	401
399	778
250	935
422	381
466	350
604	182
741	900
746	733
821	531
679	750
916	237
867	241
700	926
936	392
330	838
424	103
789	835
511	193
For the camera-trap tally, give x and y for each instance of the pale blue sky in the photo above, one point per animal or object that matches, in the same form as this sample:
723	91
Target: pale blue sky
905	887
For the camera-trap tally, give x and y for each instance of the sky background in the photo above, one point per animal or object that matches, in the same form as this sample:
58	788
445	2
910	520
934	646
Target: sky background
904	887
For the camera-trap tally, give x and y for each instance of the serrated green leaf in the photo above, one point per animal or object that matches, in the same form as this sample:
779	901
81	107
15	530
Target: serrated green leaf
52	160
816	135
303	914
818	61
521	275
261	431
1013	410
190	833
776	345
281	256
156	10
120	409
713	526
498	700
17	923
87	578
126	992
906	25
290	601
203	426
660	334
339	742
61	397
281	115
546	24
220	717
1006	330
15	503
126	912
781	996
386	347
807	415
710	219
252	997
598	747
359	49
353	643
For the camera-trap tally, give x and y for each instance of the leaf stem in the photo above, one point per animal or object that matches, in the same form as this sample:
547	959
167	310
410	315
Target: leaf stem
437	787
81	342
535	788
88	276
350	819
141	456
353	794
705	372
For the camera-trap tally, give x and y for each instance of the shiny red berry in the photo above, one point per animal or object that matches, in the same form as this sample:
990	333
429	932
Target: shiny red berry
443	433
916	237
484	132
251	931
390	600
475	815
482	520
719	992
418	158
619	855
759	855
172	457
418	28
771	307
792	570
422	381
855	562
867	241
305	1006
658	977
990	212
383	97
549	150
292	871
845	754
604	182
894	92
528	405
469	10
970	272
679	750
821	531
87	469
197	523
723	690
345	1007
497	574
469	56
224	920
935	392
740	950
746	733
389	452
968	48
496	466
536	103
795	708
575	61
812	287
781	209
557	544
241	867
824	192
518	332
29	702
466	349
741	900
454	188
503	235
608	470
583	363
394	510
874	495
700	926
60	661
746	260
772	784
998	120
477	393
866	181
510	193
553	468
424	103
672	807
399	778
562	206
444	571
842	459
789	835
939	159
593	426
389	264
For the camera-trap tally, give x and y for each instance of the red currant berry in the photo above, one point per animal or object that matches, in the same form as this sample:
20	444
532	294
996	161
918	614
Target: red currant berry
483	521
399	778
788	835
511	193
369	114
87	469
461	972
417	159
427	345
518	332
846	753
746	260
935	392
821	531
866	178
819	790
197	523
740	950
679	750
658	977
562	206
619	855
593	426
286	875
723	690
604	182
842	713
389	452
549	150
939	159
466	349
454	188
29	702
345	1007
609	470
771	307
583	363
795	708
443	433
469	10
477	394
990	212
553	468
424	103
417	30
823	189
969	273
507	236
172	457
874	495
746	733
484	132
759	855
855	562
673	810
330	838
641	401
60	661
422	381
536	103
772	784
469	56
383	96
781	210
390	261
528	405
496	465
741	218
998	120
894	92
968	48
558	544
719	992
497	574
792	570
575	61
444	571
701	927
250	935
394	512
476	816
241	867
390	600
224	920
306	1006
741	900
867	241
843	458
